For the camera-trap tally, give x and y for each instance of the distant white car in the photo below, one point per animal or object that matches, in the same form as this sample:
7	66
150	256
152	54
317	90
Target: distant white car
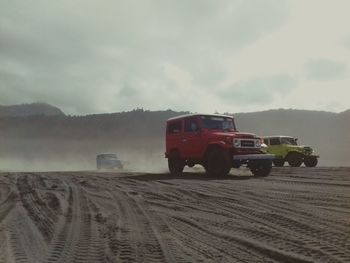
108	161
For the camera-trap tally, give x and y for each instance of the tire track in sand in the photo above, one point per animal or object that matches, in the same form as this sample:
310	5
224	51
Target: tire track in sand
43	217
156	218
136	239
77	239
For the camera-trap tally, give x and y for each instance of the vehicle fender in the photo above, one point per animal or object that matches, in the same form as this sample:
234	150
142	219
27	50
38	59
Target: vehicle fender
294	152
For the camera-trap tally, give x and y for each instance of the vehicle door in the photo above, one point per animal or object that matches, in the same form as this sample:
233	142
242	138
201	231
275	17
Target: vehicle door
174	135
275	147
192	139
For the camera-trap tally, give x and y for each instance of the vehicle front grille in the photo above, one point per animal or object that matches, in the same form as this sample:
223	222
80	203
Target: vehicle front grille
247	144
307	150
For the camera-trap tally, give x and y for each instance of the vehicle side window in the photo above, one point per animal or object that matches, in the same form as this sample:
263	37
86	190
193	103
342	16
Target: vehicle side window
275	141
266	141
191	125
174	127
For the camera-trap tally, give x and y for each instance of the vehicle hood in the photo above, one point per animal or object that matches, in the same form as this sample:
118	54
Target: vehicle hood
305	146
244	135
299	146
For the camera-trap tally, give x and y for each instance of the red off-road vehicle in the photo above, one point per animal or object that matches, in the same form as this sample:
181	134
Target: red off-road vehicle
213	142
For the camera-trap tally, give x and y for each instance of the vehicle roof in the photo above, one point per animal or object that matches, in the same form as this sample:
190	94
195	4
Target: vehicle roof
102	154
198	114
278	136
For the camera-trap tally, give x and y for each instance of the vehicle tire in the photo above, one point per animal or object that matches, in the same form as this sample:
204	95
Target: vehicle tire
278	162
119	165
260	168
218	163
310	161
176	164
295	159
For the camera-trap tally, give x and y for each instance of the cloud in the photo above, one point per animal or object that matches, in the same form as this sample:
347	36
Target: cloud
95	56
325	69
259	90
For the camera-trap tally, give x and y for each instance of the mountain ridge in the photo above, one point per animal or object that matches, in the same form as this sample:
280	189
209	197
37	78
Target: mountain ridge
30	109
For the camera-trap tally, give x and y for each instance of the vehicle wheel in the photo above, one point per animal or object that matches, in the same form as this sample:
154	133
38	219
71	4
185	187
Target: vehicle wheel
278	162
260	168
218	163
295	160
176	164
310	161
120	165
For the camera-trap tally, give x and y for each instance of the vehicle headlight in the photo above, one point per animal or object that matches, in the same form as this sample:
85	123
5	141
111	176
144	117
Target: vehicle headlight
237	143
257	143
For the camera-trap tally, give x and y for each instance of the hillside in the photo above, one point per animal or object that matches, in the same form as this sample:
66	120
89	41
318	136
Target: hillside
138	136
32	109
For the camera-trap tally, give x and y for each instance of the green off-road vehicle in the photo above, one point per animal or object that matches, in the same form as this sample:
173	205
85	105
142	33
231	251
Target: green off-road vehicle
286	149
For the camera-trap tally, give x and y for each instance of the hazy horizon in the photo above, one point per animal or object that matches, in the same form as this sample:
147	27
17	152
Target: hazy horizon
181	110
72	142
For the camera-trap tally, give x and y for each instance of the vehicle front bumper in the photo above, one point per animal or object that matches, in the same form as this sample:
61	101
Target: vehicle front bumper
247	157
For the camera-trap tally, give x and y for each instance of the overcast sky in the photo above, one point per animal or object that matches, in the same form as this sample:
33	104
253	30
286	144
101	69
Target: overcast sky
93	56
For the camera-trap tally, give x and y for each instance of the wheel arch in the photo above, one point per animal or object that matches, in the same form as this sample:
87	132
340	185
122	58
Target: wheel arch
214	145
173	150
291	153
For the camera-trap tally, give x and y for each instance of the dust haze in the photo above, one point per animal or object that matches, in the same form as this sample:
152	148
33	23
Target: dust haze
53	143
43	155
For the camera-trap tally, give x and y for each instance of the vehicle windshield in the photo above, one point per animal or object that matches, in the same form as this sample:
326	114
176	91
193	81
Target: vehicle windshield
108	156
289	140
218	123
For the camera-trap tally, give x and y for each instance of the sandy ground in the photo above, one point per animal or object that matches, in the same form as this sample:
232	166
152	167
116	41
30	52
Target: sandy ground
294	215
